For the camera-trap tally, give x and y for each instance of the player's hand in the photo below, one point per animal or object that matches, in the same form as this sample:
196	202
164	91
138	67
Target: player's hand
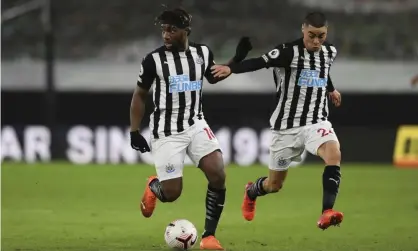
335	98
244	46
138	142
220	71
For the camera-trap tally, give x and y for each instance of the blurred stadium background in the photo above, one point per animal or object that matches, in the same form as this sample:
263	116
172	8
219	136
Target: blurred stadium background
68	69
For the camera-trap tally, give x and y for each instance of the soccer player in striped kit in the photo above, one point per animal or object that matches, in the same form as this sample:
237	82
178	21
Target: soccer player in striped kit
301	71
178	126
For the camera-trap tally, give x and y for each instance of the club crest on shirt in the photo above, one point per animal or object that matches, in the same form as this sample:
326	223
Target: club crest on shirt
199	60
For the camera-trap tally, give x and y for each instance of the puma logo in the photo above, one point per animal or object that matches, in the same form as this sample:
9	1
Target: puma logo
336	181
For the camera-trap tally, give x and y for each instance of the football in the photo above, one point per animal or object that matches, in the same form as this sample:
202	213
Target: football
181	235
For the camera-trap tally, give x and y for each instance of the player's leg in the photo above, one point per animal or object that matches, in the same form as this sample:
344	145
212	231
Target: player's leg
213	167
323	142
285	147
262	186
330	153
205	152
169	154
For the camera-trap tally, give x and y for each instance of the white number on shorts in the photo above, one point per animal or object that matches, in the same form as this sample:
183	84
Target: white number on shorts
209	132
324	132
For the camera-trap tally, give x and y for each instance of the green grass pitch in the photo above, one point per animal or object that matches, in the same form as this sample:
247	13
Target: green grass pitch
58	206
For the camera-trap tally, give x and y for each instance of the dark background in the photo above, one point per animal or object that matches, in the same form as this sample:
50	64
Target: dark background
365	124
358	110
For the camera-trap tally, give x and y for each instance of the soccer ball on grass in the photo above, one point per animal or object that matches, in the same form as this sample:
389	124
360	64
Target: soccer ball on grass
181	235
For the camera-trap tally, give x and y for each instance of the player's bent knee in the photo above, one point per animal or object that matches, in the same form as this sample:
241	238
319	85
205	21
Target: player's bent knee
213	167
217	179
333	156
172	189
330	153
212	161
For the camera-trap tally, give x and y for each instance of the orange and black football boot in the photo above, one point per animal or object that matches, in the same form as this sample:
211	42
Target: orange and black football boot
149	200
329	218
210	243
248	205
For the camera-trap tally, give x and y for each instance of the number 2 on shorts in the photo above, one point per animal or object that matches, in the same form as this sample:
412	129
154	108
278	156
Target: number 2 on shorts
209	133
324	132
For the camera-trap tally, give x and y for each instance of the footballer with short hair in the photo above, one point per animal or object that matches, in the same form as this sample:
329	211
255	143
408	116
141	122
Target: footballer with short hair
301	72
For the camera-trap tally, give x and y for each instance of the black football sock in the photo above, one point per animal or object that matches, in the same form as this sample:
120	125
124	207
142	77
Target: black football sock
156	188
331	182
215	199
256	189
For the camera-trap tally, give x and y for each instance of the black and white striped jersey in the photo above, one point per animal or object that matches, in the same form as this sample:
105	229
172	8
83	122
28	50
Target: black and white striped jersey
302	82
177	94
301	79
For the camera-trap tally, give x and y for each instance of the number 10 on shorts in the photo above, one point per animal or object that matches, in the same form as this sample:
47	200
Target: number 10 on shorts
209	132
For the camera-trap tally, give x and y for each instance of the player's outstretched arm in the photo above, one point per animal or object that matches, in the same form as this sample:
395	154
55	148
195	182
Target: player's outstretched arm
249	65
281	56
244	46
